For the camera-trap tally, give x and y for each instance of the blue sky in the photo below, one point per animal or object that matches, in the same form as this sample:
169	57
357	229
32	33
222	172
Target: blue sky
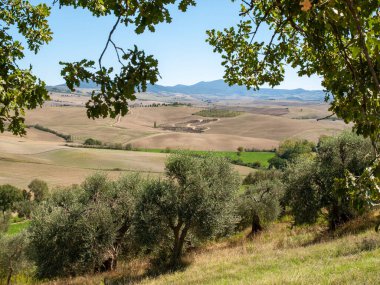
184	56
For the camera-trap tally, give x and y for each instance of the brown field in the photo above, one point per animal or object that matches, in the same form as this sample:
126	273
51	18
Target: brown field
43	155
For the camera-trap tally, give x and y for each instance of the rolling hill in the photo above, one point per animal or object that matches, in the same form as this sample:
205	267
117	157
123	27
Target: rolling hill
220	89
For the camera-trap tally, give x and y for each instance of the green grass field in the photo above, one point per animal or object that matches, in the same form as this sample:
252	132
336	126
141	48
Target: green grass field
15	228
246	157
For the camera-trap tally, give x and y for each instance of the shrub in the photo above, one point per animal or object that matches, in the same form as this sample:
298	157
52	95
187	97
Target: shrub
290	150
81	229
91	141
257	176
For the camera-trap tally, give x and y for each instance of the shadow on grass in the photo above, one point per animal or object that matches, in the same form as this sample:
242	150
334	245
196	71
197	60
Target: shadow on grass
154	270
362	223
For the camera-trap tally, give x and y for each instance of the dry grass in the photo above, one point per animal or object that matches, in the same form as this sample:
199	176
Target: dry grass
279	255
43	155
256	129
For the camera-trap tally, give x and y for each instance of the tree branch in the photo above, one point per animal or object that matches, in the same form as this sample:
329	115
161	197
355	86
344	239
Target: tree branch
363	44
108	41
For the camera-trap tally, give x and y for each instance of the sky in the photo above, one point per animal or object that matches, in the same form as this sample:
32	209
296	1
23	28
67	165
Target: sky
184	56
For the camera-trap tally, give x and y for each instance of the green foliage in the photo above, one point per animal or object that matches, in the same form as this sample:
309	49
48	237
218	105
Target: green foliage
314	184
111	100
289	150
194	203
24	208
39	188
91	141
260	204
258	176
335	40
337	156
9	196
216	113
12	255
81	229
19	88
302	193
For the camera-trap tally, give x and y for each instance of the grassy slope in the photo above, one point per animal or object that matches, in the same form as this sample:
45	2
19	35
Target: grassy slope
279	255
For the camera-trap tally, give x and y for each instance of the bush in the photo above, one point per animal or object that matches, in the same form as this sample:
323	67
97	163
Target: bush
255	164
258	176
91	141
81	229
194	203
290	150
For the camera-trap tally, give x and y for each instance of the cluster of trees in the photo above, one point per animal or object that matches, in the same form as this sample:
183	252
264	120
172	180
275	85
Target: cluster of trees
13	249
13	199
315	177
85	228
317	182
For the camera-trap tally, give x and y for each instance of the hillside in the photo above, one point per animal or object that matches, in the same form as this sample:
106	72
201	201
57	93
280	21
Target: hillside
279	255
220	89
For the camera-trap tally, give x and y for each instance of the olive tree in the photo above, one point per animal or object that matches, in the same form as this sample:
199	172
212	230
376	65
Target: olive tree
13	255
81	229
39	188
313	184
9	196
302	192
260	204
338	156
195	201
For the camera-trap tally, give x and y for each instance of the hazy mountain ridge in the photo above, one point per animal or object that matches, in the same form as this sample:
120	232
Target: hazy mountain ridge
218	88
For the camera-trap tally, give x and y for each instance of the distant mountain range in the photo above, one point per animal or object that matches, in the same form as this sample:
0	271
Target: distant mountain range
218	88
